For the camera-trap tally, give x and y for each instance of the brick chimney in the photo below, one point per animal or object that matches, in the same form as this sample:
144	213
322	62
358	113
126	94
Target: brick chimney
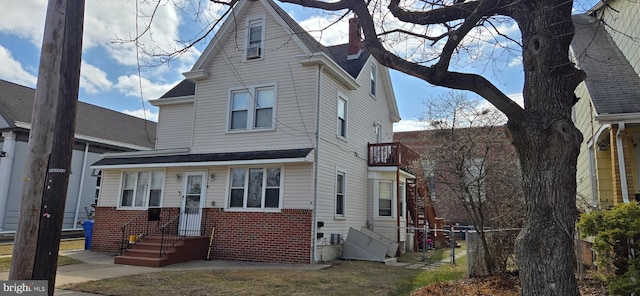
355	42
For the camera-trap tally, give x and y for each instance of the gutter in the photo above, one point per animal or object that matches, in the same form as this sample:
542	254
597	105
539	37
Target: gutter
621	165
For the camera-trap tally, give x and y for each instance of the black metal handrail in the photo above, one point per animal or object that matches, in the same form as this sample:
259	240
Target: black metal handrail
145	223
180	226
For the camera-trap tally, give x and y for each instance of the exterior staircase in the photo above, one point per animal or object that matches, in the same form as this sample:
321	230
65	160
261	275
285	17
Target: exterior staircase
146	251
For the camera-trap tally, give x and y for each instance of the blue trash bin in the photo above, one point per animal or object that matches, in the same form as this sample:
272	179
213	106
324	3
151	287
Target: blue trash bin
87	226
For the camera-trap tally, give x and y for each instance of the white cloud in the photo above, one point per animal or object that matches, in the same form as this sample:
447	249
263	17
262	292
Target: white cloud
93	80
13	71
130	86
323	29
409	125
24	18
147	114
516	61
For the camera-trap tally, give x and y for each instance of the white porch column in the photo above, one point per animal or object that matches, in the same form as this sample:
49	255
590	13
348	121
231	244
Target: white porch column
6	164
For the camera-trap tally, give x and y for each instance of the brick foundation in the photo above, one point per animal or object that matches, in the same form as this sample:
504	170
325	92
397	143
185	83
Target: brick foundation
283	237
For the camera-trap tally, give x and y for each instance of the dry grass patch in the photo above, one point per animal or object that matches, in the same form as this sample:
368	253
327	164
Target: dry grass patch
343	278
72	244
5	262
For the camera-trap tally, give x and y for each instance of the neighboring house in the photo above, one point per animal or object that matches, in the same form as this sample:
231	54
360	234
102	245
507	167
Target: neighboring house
98	130
267	141
607	113
469	165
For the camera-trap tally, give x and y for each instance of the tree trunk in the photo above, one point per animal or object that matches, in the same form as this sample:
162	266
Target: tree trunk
548	145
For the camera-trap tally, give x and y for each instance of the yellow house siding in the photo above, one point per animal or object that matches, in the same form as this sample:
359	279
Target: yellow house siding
624	28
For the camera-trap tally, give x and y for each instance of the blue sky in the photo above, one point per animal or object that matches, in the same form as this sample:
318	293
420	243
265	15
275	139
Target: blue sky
109	76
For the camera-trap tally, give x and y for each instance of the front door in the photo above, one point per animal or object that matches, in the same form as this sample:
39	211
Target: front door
192	203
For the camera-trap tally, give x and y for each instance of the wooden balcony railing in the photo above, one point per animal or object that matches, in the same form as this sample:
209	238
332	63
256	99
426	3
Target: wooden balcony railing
391	154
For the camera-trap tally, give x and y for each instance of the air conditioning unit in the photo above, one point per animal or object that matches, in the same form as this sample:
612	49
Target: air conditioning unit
253	52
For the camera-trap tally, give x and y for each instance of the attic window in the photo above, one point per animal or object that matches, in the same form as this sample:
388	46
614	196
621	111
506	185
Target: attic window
254	39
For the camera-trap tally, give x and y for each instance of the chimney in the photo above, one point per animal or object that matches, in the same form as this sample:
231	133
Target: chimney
355	44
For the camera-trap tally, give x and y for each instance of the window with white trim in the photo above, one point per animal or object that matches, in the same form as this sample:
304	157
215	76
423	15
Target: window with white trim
385	198
255	188
252	108
372	80
255	40
340	194
342	117
141	189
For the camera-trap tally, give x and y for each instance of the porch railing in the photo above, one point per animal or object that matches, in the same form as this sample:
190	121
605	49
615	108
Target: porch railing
145	223
189	222
391	154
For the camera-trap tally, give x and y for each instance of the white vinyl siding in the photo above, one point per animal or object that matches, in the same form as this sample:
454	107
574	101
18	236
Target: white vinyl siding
294	111
175	126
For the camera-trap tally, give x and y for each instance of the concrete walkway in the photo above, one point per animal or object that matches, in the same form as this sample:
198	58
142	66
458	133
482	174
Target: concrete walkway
98	266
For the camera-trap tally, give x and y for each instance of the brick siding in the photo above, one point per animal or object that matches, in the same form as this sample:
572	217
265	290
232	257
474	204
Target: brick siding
282	237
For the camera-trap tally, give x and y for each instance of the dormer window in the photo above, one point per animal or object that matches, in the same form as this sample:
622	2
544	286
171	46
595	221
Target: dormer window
255	39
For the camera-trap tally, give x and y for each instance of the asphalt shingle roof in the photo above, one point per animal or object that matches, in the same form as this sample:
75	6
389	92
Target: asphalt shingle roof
612	83
207	157
16	105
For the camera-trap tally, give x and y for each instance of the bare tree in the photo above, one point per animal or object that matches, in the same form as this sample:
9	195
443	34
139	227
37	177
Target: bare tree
545	138
475	171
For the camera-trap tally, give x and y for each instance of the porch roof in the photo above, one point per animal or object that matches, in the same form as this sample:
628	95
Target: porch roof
225	158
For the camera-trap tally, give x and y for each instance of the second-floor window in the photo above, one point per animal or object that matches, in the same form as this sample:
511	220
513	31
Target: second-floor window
141	189
342	117
252	108
372	79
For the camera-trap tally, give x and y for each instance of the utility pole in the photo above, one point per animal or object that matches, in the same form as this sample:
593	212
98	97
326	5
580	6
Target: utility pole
56	89
57	178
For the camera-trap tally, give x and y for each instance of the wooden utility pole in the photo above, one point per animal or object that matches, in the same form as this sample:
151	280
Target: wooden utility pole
57	178
58	79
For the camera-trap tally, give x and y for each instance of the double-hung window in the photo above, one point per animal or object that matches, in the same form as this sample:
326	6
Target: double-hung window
141	189
252	108
255	188
372	80
342	117
385	198
255	34
340	194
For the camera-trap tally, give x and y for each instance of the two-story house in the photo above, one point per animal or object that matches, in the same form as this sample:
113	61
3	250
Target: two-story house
267	148
98	130
607	113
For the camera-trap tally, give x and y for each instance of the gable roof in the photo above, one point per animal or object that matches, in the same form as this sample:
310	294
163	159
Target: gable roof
613	85
93	122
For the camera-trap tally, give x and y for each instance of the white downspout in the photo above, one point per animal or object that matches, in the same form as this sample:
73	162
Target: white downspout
592	176
314	247
623	171
84	168
6	165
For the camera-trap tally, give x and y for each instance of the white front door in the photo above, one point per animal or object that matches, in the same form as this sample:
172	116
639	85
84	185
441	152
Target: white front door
195	184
